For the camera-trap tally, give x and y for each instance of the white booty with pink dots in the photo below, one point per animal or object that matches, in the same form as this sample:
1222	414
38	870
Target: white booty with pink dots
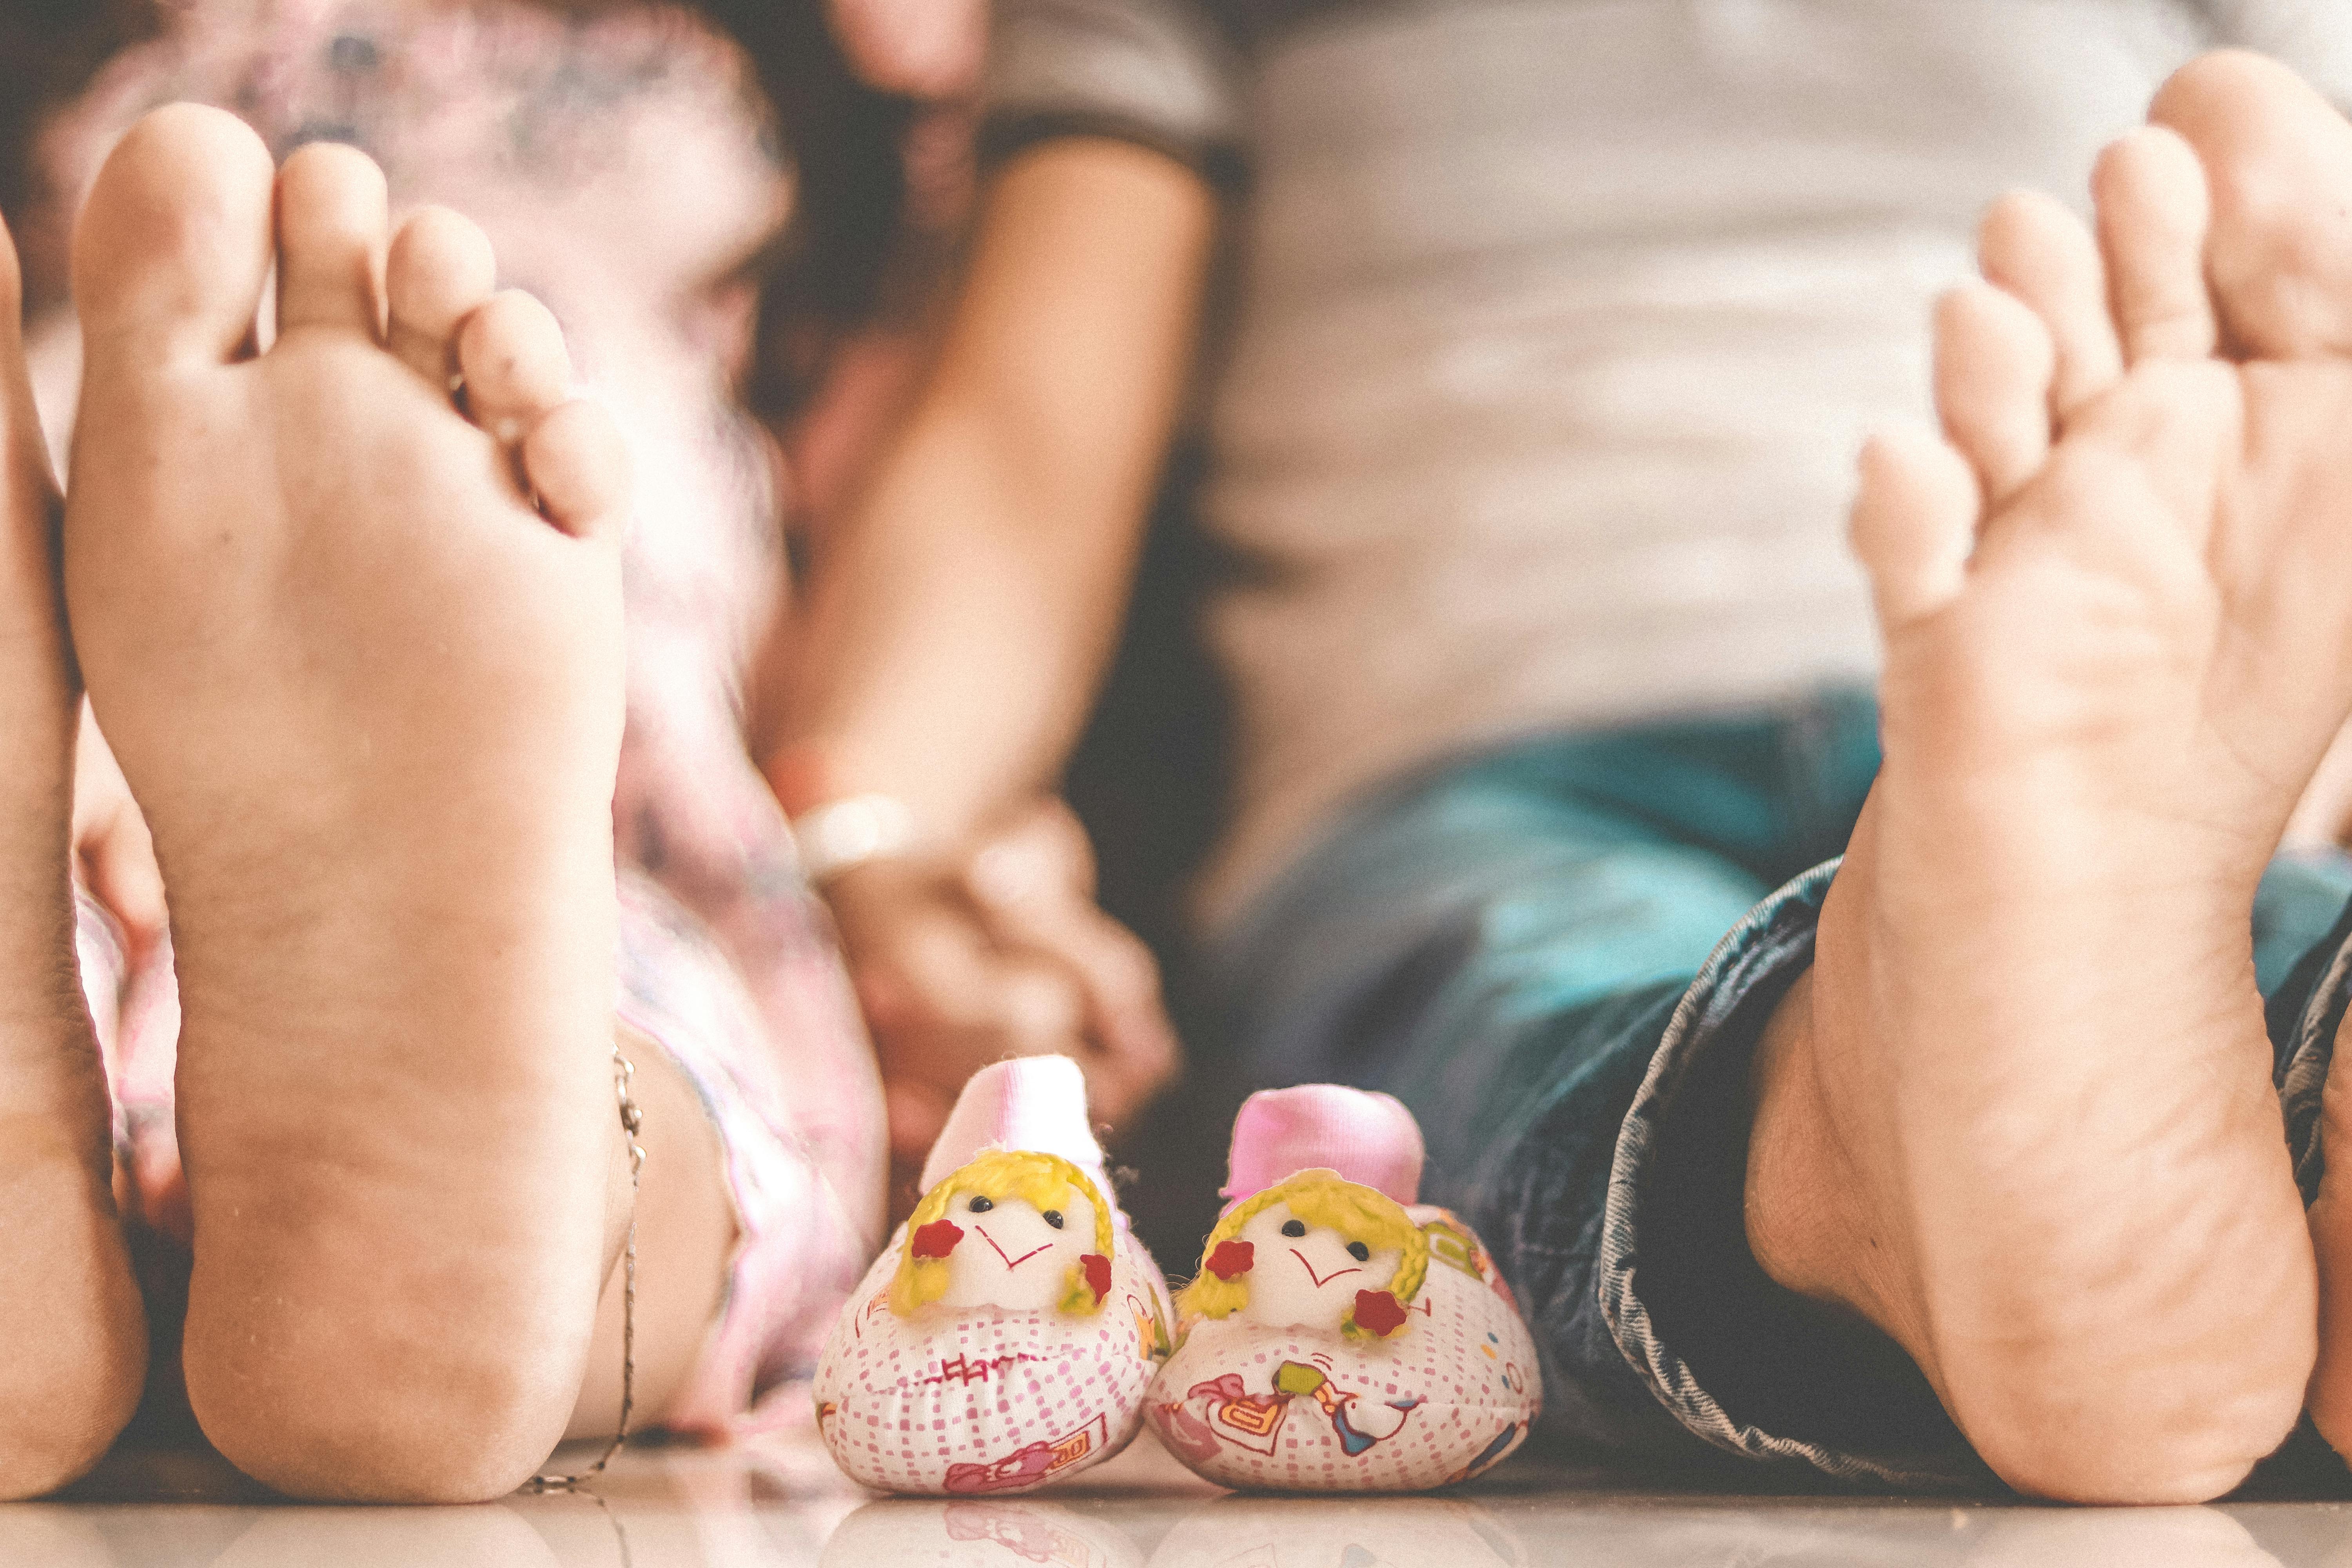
1340	1337
1005	1337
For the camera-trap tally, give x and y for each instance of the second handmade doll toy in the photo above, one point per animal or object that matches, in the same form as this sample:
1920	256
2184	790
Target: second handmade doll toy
1340	1337
1005	1337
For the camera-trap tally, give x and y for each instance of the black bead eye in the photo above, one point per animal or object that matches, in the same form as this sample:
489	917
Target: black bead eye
1054	1218
980	1205
1293	1227
1360	1252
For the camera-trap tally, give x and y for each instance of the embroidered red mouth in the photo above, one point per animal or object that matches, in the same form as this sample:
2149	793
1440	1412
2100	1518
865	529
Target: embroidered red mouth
1320	1279
1010	1263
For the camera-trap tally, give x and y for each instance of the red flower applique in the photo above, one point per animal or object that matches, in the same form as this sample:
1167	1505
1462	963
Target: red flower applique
1097	1268
938	1239
1378	1311
1231	1259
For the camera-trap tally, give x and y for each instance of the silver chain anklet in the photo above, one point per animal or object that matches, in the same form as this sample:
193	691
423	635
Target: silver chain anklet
632	1121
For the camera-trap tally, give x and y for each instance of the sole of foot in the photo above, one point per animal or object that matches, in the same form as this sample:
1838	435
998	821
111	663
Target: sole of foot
2021	1114
2278	158
359	653
71	1319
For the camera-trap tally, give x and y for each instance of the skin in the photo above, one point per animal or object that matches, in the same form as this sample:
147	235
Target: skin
2107	1277
354	1035
987	943
2279	164
1876	1168
2020	1114
947	649
659	298
2097	1254
77	1332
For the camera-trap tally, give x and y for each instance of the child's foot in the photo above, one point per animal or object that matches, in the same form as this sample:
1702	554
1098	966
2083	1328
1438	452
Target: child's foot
69	1315
2028	1125
2279	160
369	700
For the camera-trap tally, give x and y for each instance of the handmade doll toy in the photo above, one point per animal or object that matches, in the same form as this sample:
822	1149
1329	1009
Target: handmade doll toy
1006	1336
1339	1337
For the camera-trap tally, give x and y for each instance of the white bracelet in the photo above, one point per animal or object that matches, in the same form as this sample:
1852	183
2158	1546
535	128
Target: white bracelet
840	834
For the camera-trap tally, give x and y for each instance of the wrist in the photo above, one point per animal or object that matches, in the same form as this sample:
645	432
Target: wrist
838	835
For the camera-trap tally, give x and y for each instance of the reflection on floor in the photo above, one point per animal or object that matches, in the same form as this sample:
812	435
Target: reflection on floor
779	1501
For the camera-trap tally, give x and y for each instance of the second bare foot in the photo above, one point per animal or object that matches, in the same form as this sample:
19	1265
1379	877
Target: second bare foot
2022	1114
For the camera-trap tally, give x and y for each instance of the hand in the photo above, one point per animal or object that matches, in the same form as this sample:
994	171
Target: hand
999	951
113	856
923	48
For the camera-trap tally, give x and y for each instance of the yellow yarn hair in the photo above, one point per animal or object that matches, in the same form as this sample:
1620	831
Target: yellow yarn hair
1041	1181
1324	1198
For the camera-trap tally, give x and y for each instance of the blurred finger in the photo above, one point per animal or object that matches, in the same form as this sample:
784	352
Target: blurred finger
1134	1049
1042	852
112	849
120	867
916	1114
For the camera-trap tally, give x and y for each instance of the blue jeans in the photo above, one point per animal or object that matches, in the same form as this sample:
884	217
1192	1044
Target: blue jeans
1529	949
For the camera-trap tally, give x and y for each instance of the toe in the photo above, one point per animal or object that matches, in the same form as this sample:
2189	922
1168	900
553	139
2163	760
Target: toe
511	354
578	469
2034	247
441	269
1993	364
1914	523
173	244
2278	161
2152	217
332	221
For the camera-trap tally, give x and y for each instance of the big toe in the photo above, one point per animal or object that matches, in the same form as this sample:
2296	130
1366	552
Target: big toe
2278	161
174	243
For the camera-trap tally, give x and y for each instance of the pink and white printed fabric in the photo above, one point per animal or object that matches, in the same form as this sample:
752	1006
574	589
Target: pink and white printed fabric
1340	1337
1303	1409
1006	1337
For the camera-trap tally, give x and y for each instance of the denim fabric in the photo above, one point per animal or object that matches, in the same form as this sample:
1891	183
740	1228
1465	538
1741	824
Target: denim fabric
1528	947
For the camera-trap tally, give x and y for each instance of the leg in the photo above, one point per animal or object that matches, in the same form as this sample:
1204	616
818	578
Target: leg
2022	1117
749	1238
368	698
685	1231
71	1320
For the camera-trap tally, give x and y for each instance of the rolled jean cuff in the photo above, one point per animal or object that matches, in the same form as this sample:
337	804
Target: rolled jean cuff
1740	1362
2305	1014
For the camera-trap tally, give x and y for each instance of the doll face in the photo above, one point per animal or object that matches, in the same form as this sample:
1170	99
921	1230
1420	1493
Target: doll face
1306	1275
1013	1255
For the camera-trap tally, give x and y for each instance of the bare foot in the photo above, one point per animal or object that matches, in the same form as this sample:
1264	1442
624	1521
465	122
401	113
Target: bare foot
369	699
2022	1117
2279	160
71	1319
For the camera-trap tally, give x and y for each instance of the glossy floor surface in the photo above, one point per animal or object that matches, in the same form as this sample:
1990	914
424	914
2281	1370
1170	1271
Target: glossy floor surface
779	1501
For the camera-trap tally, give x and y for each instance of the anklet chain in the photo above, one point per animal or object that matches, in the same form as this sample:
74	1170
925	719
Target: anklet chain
632	1121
